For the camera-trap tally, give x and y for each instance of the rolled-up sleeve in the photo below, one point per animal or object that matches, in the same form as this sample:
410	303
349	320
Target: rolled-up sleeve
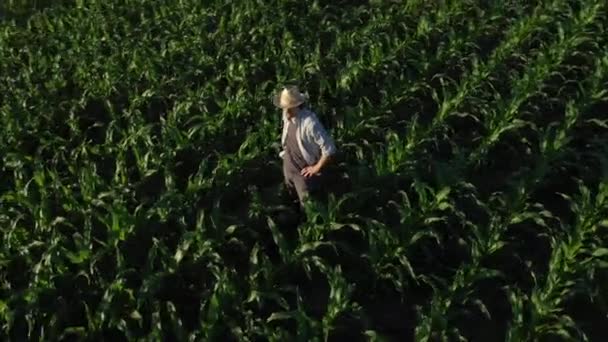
322	138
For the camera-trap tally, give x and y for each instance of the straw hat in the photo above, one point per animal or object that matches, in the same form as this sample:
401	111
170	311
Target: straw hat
289	97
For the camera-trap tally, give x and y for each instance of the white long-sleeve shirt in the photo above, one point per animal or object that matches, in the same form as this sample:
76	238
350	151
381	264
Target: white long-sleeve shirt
313	139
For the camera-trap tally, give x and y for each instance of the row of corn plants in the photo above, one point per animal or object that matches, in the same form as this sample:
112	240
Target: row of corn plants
408	207
489	243
399	151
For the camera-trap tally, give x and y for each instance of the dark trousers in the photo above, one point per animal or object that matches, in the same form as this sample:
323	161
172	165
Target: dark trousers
302	186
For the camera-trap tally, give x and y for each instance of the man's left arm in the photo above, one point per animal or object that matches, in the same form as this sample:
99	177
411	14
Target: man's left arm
324	160
325	142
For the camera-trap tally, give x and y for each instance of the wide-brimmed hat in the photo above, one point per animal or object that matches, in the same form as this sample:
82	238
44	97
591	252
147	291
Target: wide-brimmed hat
289	97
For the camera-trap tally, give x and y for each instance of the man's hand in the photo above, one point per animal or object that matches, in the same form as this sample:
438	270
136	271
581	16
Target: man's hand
310	171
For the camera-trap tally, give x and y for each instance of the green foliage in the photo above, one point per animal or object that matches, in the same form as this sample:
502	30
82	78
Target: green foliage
140	187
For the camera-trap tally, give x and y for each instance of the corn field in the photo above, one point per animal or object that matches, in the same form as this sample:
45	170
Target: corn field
141	192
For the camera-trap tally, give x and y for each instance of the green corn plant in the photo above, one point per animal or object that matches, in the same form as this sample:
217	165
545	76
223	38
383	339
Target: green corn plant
322	218
435	318
307	328
279	240
518	307
435	322
514	38
555	140
261	281
505	117
429	203
490	241
118	222
225	297
356	71
571	256
388	257
357	121
398	152
339	299
395	265
416	136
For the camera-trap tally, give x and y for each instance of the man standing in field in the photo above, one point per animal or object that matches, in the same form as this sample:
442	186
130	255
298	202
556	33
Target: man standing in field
306	145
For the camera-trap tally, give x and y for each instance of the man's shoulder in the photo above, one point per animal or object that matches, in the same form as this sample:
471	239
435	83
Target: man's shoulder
308	116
